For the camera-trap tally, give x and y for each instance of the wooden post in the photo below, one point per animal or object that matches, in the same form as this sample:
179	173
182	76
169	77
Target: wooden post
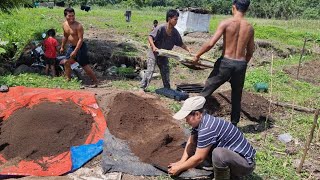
307	145
302	52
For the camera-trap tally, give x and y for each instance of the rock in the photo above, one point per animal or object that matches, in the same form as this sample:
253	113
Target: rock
285	138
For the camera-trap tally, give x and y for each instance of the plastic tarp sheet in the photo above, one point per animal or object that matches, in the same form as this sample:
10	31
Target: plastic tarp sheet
117	157
192	22
19	97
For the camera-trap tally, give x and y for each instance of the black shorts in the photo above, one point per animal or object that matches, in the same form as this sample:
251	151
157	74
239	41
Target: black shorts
49	61
82	55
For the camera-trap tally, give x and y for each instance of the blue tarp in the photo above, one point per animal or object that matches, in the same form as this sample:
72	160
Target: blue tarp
82	154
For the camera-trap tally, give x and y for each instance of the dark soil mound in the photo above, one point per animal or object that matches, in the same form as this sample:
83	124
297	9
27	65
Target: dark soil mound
148	128
254	107
308	71
44	130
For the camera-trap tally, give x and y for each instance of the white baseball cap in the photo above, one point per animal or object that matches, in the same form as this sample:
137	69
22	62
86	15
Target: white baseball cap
190	104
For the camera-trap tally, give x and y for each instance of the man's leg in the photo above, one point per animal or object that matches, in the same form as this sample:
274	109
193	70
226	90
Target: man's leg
219	75
237	82
67	68
148	75
225	160
53	70
47	69
163	64
91	74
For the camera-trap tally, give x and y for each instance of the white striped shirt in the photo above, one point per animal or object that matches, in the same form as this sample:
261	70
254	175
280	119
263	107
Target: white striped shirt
220	133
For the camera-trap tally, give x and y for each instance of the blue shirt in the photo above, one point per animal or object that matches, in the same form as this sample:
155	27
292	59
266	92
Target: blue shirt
220	133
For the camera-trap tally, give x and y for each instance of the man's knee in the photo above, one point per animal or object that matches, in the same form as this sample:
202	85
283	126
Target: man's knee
218	157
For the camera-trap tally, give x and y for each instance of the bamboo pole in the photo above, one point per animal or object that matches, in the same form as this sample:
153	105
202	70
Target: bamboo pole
270	98
293	106
307	145
302	52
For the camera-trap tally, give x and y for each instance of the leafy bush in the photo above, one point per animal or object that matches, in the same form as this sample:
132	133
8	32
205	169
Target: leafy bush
122	71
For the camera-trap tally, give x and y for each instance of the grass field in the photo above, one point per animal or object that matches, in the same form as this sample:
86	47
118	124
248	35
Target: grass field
27	24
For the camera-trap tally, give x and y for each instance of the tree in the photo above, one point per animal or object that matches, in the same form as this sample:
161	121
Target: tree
6	5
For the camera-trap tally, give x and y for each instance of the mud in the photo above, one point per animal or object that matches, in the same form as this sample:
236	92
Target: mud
44	130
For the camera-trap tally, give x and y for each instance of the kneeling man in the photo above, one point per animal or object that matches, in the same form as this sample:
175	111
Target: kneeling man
214	139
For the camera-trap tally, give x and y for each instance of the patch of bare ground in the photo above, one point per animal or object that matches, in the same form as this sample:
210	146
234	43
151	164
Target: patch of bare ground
309	71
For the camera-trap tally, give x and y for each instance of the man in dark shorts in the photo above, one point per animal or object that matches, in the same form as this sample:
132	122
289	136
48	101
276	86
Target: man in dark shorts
164	36
238	48
77	50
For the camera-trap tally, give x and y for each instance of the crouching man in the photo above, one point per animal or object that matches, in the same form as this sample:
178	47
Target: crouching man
214	139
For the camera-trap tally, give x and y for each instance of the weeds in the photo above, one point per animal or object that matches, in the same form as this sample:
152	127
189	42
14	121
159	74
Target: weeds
35	80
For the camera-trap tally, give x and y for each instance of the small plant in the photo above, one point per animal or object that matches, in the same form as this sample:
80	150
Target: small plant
175	106
123	71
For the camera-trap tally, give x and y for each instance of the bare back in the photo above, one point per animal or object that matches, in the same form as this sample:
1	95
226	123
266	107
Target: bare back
238	40
73	32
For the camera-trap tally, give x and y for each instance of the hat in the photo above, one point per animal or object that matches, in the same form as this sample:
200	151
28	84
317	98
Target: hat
191	104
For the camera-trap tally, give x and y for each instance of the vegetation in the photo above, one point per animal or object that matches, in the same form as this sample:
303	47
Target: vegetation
23	25
35	80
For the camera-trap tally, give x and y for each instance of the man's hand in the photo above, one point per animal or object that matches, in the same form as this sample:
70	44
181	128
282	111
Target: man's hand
196	59
189	51
61	50
73	54
175	164
174	169
154	49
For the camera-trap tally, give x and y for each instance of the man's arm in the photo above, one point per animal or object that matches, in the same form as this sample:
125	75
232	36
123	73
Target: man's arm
199	156
250	47
64	39
208	45
80	39
150	39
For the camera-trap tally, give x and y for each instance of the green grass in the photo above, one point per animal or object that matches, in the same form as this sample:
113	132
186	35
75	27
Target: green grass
35	80
123	84
285	88
24	25
290	32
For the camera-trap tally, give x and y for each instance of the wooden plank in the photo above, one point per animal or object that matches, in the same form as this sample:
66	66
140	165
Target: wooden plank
295	107
187	59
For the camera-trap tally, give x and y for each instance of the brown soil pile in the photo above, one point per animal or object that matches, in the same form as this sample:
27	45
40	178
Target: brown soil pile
308	71
44	130
148	128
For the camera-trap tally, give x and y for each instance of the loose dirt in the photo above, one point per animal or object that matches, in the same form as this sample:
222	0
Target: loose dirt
308	71
148	128
46	129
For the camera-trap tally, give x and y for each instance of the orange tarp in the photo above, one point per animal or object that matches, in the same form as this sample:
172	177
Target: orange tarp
19	97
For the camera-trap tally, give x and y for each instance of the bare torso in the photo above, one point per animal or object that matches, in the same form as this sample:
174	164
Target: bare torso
237	38
71	32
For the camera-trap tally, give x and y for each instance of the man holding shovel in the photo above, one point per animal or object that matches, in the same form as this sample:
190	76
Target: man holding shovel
164	36
238	48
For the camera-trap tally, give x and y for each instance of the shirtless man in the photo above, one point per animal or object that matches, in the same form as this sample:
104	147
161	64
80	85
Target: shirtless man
77	50
238	47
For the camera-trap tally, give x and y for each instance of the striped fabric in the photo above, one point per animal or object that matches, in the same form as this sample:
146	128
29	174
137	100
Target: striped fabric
220	133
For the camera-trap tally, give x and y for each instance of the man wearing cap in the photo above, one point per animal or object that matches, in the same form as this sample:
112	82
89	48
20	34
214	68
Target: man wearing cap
232	155
238	48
